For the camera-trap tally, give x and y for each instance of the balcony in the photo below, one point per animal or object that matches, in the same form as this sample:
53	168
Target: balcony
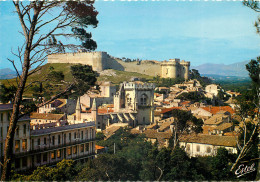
51	147
53	163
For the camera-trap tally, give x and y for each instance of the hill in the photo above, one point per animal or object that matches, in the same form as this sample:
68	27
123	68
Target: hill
7	73
235	69
114	76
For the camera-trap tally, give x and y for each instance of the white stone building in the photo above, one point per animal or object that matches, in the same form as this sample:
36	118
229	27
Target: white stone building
45	144
207	145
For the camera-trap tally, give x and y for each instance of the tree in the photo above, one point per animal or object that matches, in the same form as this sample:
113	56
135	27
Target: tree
249	113
106	167
44	24
184	123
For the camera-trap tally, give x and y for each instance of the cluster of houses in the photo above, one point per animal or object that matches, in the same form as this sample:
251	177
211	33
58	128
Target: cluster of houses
45	138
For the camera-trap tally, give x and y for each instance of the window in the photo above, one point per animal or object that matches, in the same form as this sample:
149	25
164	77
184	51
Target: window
32	142
81	135
69	136
1	131
45	141
39	141
24	161
17	145
2	117
38	158
24	144
53	154
58	153
53	140
198	148
87	147
58	139
17	131
24	129
87	134
64	138
143	99
69	150
82	148
75	150
208	149
188	147
75	135
44	157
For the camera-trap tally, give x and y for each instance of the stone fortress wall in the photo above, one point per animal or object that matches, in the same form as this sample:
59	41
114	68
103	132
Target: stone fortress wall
101	61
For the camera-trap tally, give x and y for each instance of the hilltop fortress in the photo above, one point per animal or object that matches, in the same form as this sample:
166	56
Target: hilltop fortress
174	68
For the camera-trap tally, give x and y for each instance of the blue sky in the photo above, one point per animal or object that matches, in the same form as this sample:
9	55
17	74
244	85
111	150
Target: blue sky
199	32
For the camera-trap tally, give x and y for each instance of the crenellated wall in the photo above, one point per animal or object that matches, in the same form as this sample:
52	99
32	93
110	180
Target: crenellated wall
174	68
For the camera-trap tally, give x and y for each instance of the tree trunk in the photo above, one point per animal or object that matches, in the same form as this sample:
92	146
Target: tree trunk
8	151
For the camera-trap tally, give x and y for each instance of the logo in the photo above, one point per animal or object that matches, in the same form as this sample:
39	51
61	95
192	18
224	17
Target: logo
244	169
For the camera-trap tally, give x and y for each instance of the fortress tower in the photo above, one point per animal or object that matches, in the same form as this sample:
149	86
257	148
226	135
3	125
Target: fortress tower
174	68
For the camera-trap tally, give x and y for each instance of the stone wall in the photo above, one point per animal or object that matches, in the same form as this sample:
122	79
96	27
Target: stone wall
101	61
95	59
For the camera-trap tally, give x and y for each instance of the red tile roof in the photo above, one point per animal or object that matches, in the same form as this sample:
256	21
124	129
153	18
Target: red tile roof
102	111
97	147
169	109
216	109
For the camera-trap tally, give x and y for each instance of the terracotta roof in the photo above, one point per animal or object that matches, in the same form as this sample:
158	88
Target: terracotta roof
166	102
98	147
216	119
224	126
229	141
158	135
48	116
165	125
104	110
185	102
169	109
216	109
206	129
110	106
135	131
157	95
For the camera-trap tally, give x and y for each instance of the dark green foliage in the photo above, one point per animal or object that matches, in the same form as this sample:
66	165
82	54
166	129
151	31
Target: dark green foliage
84	77
184	118
63	171
193	96
253	69
107	167
55	76
100	136
7	93
221	165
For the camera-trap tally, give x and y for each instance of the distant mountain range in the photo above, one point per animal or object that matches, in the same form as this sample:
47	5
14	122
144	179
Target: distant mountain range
7	73
236	69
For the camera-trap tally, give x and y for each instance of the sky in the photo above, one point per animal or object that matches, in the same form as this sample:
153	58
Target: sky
201	32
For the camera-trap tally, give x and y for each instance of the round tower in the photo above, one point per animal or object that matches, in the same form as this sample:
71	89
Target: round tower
186	66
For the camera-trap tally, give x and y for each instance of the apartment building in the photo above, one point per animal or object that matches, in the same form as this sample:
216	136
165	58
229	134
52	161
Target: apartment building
48	143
